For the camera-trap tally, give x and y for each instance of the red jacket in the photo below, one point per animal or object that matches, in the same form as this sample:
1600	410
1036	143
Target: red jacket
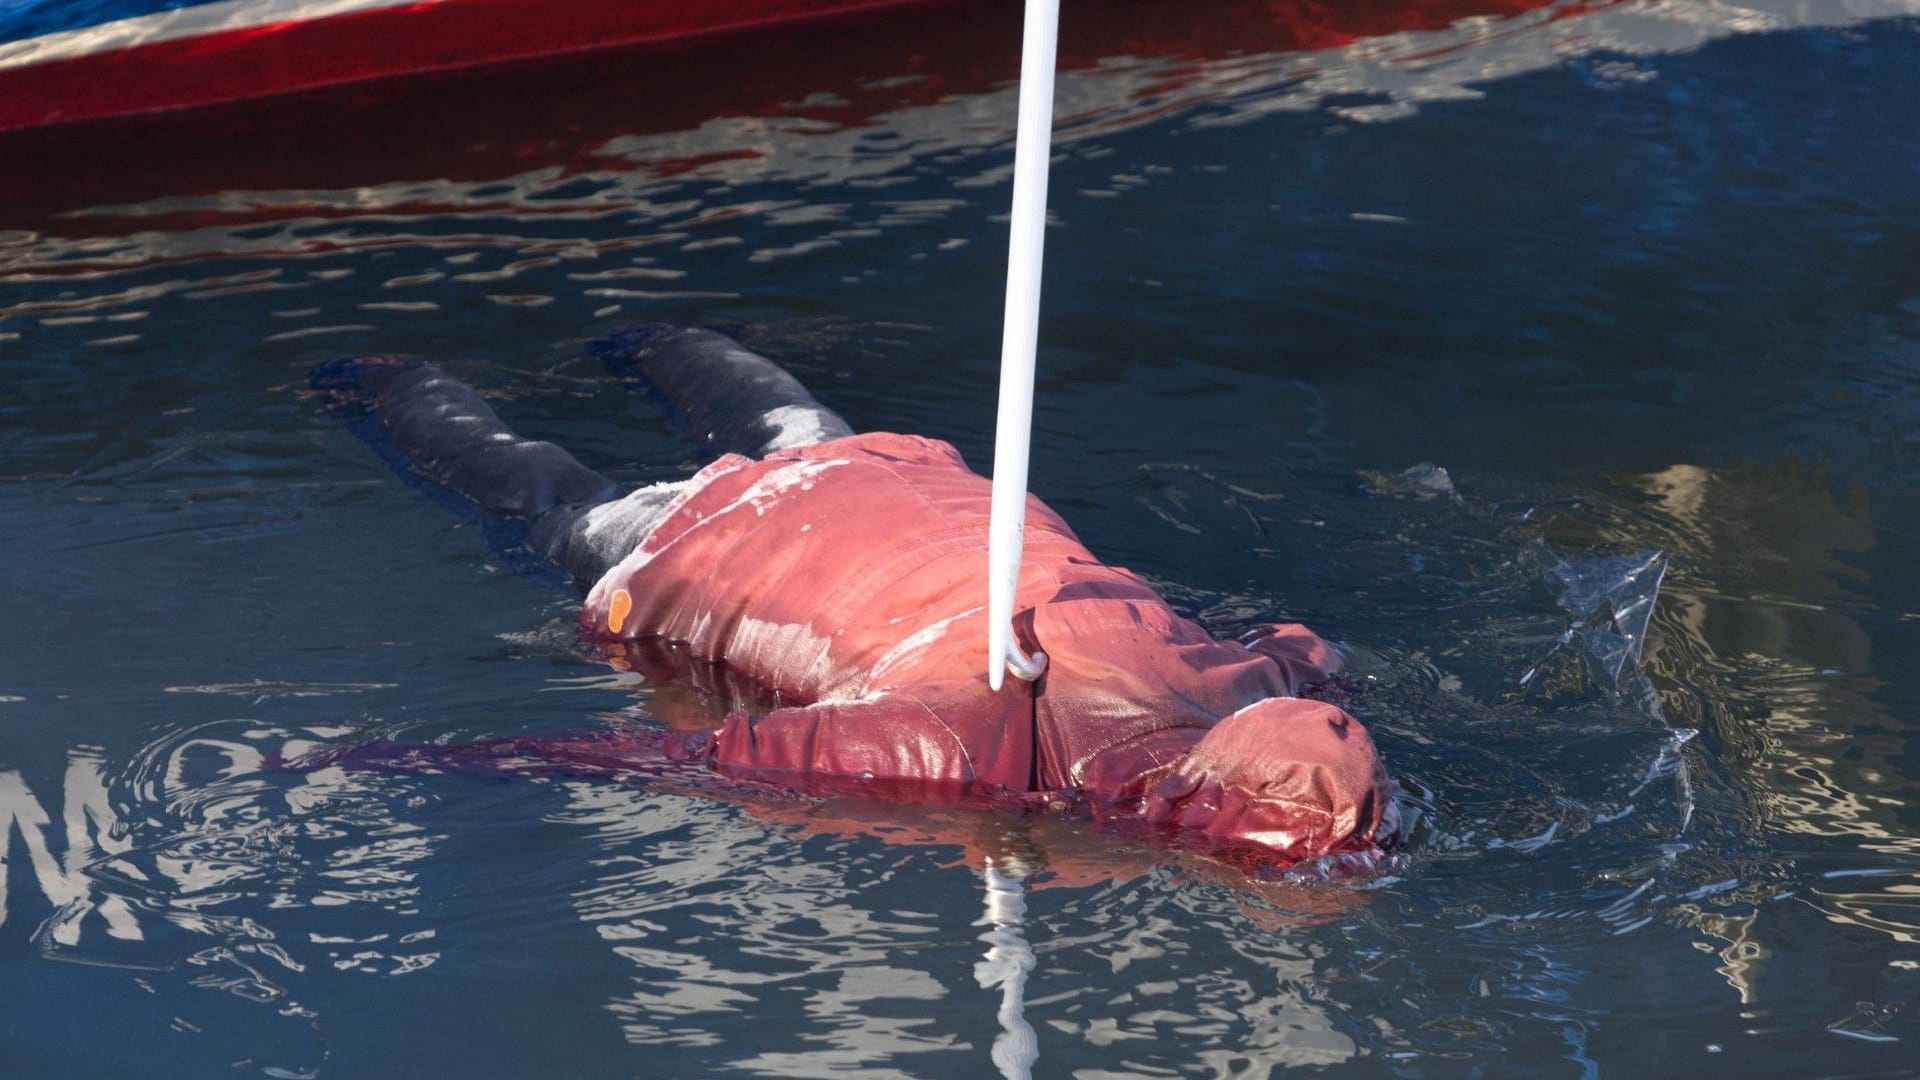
849	577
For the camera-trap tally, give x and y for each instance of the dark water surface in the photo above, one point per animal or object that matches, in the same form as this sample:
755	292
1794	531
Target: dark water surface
1641	278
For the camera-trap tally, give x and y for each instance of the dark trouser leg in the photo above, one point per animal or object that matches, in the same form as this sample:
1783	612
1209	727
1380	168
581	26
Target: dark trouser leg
587	540
730	400
444	431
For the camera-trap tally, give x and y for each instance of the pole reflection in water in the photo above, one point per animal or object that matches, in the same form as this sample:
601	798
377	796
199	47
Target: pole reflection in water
1008	959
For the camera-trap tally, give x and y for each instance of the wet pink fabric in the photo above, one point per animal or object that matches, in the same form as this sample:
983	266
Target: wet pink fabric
848	577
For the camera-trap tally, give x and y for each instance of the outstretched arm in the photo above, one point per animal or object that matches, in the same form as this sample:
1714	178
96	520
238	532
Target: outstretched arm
1304	657
611	752
896	738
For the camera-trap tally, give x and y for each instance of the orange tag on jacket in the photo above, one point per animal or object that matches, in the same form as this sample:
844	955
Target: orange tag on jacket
619	609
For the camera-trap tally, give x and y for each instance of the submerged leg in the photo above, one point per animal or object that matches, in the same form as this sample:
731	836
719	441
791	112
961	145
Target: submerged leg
730	400
586	540
444	431
447	433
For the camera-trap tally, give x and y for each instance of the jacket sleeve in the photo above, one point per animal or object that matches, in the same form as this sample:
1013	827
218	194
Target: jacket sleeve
894	736
1304	657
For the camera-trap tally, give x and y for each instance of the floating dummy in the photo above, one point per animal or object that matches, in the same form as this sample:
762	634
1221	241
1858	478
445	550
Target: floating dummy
840	574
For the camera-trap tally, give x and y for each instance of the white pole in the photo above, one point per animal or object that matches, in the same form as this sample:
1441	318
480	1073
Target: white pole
1014	432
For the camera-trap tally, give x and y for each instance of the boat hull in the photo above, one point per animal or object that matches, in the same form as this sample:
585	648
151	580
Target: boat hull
231	50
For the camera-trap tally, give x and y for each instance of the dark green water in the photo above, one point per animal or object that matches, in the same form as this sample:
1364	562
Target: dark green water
1643	279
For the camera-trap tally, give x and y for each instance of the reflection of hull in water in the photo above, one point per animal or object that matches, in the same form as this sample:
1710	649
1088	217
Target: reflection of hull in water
557	111
849	98
866	100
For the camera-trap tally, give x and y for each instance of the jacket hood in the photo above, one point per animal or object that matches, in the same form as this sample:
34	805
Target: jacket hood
1290	776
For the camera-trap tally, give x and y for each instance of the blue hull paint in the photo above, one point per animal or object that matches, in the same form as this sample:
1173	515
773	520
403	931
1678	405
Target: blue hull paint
21	19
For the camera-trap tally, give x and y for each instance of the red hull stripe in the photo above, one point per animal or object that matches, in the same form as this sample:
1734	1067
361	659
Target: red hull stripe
216	52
